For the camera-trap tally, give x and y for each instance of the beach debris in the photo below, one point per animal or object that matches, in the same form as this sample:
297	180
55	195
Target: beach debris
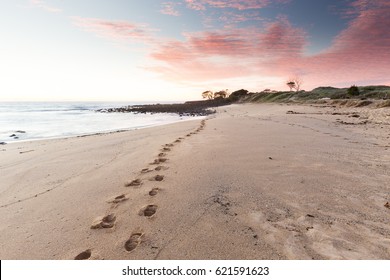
84	255
23	152
12	135
134	183
20	131
293	112
270	158
387	205
309	215
133	242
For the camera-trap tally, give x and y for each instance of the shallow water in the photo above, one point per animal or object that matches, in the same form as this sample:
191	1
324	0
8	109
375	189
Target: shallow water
33	120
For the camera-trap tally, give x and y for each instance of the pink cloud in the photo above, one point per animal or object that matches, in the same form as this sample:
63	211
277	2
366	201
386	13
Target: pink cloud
235	4
41	4
115	30
195	5
360	54
168	8
231	19
224	54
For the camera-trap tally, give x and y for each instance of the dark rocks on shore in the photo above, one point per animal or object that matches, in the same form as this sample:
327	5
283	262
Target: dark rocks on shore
190	108
20	131
3	143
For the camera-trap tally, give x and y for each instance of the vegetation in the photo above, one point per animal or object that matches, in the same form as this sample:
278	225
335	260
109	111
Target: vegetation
353	90
208	94
320	94
352	96
294	83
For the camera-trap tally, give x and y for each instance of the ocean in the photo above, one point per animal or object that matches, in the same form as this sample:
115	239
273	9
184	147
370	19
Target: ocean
43	120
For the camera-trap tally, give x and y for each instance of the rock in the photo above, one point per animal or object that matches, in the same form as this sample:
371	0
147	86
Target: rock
20	131
12	135
3	143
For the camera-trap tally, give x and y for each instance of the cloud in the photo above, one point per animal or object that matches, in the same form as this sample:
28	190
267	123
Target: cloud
115	30
358	54
224	54
233	4
41	4
168	8
362	50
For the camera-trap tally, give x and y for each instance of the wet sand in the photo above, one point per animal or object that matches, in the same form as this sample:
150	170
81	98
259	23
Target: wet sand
255	181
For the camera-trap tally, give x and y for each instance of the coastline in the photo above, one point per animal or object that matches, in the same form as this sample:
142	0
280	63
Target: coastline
251	182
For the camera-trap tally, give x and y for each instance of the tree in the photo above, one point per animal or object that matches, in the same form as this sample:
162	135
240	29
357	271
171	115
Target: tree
291	85
208	94
221	94
295	83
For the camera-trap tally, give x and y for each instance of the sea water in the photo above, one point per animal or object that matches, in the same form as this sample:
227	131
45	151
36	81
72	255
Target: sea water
43	120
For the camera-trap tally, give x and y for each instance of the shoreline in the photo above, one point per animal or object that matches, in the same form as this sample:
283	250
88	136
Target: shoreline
4	143
250	182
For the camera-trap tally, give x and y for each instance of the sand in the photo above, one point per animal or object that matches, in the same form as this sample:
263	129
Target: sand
254	181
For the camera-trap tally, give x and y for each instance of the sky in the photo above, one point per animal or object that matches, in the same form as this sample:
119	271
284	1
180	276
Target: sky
162	50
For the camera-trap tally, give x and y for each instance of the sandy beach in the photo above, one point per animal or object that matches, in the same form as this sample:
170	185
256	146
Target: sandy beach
253	181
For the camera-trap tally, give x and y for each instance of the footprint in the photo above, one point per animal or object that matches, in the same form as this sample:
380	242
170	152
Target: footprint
158	178
177	141
134	183
149	211
84	255
168	145
188	135
162	154
133	241
159	168
146	170
159	160
105	222
119	198
154	191
165	149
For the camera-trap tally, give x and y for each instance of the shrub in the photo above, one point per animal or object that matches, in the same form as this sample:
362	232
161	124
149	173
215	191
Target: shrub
353	90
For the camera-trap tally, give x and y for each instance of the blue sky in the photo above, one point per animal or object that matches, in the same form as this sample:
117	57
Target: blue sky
130	50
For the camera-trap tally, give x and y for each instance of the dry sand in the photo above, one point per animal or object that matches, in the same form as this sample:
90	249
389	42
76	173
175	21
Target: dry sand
251	182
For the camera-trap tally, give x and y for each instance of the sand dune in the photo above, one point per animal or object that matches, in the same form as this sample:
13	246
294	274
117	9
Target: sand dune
262	181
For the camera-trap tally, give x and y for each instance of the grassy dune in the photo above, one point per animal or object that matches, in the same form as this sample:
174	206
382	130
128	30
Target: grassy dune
378	95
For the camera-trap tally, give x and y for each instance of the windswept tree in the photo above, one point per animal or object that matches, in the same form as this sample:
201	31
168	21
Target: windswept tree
294	83
208	94
221	94
291	85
